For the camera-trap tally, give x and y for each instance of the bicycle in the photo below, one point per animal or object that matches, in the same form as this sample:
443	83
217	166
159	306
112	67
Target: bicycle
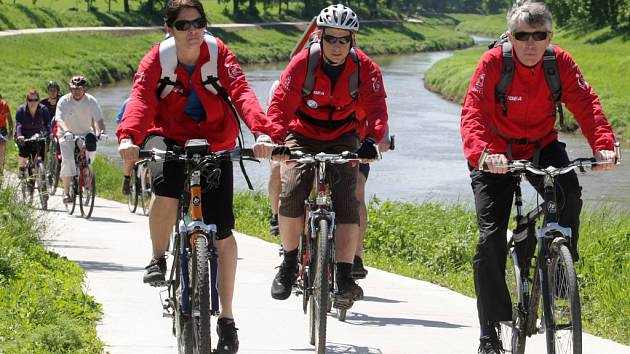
34	175
554	277
316	250
192	295
54	165
140	190
83	184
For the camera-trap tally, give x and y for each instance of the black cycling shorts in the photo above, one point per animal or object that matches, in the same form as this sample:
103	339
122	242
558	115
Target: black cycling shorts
364	169
168	180
31	148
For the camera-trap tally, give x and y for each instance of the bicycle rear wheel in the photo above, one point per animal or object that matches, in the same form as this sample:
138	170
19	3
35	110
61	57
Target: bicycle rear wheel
132	197
566	335
74	187
513	333
319	301
87	191
42	185
201	296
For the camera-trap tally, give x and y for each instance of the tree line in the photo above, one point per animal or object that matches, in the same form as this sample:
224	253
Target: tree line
614	13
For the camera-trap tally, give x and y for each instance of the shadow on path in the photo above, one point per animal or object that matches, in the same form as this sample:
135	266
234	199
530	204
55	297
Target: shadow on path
339	348
360	319
107	267
382	300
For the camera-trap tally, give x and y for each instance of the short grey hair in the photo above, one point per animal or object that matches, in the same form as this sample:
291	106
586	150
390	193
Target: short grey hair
532	13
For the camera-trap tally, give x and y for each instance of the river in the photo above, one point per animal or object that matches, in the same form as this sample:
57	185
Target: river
428	163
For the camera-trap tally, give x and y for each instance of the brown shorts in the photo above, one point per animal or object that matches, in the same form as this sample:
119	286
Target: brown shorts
297	179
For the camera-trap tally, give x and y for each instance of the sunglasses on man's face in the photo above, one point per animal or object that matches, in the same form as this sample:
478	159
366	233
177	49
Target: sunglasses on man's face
184	25
30	99
525	36
341	40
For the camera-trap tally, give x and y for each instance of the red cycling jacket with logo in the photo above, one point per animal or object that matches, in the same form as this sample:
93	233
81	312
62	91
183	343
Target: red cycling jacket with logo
147	114
530	109
288	107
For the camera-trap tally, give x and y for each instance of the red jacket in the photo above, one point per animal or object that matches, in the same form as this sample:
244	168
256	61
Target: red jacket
147	114
287	100
530	108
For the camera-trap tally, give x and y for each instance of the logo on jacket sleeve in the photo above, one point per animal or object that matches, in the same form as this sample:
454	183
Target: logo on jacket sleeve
140	77
376	84
234	71
478	87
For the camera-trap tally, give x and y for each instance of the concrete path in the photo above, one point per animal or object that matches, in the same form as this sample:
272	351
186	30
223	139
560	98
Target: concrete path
399	315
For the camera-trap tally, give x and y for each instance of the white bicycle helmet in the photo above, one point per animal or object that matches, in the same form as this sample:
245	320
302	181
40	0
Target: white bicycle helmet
338	16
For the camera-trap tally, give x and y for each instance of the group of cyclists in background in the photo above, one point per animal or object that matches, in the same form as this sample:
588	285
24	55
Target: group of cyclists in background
330	99
45	128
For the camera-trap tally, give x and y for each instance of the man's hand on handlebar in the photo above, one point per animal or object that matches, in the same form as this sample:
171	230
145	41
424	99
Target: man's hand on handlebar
263	147
128	151
495	163
606	160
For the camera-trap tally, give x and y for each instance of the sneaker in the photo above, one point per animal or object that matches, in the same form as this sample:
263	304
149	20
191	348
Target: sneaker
348	291
67	199
274	229
489	345
126	188
155	271
228	338
358	271
283	281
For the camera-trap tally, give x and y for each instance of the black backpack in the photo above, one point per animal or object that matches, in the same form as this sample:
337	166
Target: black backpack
550	67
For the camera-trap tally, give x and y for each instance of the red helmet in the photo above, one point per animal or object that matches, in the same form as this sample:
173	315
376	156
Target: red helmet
78	81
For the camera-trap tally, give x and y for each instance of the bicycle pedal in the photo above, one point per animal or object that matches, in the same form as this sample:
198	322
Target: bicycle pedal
159	284
342	303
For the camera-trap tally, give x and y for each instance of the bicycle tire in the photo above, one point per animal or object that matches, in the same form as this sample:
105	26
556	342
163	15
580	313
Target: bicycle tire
565	337
145	189
182	322
87	192
42	185
304	283
54	167
320	298
132	197
513	333
73	195
201	296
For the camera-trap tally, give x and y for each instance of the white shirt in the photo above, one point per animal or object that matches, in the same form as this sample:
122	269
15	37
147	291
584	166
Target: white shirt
78	115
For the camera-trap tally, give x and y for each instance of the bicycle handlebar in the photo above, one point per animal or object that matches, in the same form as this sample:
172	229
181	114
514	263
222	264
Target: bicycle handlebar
232	155
342	158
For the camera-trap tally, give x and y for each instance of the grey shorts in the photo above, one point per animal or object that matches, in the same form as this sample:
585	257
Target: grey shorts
297	179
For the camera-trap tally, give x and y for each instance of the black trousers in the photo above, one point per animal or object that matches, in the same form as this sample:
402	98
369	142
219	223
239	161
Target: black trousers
493	202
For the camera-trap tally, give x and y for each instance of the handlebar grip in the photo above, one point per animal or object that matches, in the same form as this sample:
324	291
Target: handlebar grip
145	154
247	152
280	150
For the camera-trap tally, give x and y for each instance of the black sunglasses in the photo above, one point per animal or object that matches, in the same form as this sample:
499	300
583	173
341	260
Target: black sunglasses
184	25
33	99
341	40
525	36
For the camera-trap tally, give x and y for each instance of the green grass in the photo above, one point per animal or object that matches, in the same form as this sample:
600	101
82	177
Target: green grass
483	25
602	56
43	308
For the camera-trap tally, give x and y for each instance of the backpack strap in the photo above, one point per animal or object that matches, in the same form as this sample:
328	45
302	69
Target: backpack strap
209	70
354	78
506	76
168	62
552	74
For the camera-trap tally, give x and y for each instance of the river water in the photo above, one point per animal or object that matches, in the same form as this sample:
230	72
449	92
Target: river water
428	163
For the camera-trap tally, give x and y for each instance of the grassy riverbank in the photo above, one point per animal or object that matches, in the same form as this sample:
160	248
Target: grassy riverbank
43	308
107	57
601	55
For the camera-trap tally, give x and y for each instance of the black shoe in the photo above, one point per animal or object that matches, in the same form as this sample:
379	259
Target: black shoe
228	338
274	229
126	188
155	271
358	271
348	291
489	345
282	284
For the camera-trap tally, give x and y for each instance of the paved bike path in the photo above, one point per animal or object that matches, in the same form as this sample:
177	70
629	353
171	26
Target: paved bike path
399	315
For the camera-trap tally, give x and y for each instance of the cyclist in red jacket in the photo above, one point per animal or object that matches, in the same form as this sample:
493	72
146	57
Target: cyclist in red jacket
315	109
520	125
168	111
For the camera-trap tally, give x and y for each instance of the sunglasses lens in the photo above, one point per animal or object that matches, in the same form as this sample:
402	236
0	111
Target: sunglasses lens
183	25
525	36
342	40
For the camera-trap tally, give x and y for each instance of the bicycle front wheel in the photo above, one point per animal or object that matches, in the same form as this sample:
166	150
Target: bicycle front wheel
201	296
566	334
54	168
87	191
319	300
513	333
42	185
132	197
74	187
